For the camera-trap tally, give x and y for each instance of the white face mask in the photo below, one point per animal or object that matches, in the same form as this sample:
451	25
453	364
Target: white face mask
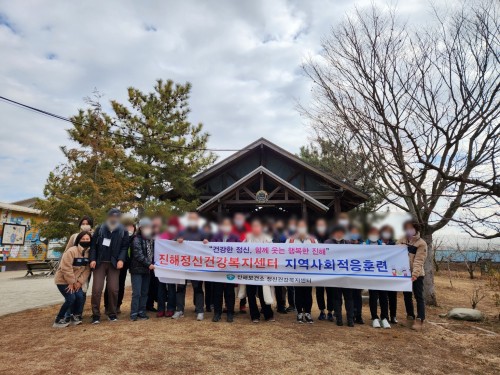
172	229
292	228
85	228
146	233
226	229
321	229
192	223
302	231
130	232
386	235
344	222
411	232
112	225
239	223
373	238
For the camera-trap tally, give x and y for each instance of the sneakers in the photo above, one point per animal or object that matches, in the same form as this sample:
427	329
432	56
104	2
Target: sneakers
340	323
230	318
376	323
169	314
291	309
160	314
60	323
178	314
200	317
96	319
394	320
255	320
300	318
76	320
385	324
322	315
350	323
142	317
308	318
216	318
410	321
330	317
281	311
112	318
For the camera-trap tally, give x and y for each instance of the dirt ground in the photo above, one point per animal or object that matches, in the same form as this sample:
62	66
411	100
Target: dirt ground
31	346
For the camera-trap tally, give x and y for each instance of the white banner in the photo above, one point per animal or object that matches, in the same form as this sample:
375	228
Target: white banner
295	264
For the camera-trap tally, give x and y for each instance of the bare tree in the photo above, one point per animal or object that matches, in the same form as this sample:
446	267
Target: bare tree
422	104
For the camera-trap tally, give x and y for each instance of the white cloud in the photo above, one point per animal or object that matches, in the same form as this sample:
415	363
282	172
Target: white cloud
242	57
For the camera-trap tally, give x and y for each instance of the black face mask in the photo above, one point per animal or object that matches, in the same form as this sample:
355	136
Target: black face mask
85	244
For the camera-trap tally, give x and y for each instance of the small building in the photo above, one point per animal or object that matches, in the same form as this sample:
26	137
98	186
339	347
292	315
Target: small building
266	180
20	240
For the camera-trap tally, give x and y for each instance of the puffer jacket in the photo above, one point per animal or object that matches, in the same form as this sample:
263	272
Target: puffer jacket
417	252
142	255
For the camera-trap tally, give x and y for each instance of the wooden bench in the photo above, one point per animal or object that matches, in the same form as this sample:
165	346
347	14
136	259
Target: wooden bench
48	267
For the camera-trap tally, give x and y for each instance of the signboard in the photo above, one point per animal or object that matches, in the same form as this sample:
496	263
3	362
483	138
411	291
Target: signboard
347	266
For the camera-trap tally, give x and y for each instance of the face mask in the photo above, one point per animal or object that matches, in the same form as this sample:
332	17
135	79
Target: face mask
302	231
338	238
386	235
172	229
411	232
192	224
130	232
85	244
321	229
355	236
85	228
373	238
147	233
344	222
292	229
239	223
226	229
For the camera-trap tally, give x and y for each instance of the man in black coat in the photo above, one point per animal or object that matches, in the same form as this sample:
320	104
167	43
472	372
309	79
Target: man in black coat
108	252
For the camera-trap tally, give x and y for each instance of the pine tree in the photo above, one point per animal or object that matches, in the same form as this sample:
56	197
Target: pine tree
164	149
91	181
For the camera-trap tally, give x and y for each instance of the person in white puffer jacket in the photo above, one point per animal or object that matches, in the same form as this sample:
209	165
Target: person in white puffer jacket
257	235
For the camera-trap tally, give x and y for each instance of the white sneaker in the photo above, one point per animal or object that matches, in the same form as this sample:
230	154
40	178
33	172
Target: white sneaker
200	317
376	323
385	324
178	314
300	318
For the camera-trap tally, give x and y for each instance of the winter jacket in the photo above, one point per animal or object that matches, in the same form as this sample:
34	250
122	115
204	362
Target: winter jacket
417	252
242	232
189	234
118	248
141	255
219	237
73	267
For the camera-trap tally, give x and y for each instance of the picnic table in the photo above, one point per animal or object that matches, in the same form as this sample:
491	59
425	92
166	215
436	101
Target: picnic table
48	267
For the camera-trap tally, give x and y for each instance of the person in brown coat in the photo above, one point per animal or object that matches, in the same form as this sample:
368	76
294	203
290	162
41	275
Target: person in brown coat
417	252
71	279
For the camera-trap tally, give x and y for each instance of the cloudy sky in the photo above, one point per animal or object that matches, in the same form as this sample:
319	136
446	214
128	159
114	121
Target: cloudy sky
242	57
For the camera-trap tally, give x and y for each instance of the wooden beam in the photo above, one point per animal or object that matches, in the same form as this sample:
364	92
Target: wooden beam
261	181
337	207
293	175
278	201
271	194
247	190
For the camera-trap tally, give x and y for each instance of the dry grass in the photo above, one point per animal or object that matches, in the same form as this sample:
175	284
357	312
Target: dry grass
31	346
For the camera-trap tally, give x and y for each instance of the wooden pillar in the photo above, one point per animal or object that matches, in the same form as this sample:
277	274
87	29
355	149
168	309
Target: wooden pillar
337	207
219	211
304	211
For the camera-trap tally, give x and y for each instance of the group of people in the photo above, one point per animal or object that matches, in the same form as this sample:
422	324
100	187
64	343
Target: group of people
119	245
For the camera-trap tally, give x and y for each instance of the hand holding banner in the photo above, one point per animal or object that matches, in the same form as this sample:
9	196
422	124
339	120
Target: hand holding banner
291	264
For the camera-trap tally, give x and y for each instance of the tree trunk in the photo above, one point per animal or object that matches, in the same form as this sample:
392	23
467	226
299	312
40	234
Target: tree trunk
429	291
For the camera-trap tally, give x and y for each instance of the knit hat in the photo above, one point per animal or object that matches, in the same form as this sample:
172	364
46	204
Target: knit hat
145	222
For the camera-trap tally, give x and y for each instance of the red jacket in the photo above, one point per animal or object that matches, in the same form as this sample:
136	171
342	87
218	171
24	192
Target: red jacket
243	232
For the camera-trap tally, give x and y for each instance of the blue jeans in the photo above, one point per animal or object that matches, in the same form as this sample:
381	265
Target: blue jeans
140	288
73	302
166	295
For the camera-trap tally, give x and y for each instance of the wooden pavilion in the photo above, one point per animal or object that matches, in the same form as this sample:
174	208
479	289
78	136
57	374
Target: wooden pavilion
264	179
